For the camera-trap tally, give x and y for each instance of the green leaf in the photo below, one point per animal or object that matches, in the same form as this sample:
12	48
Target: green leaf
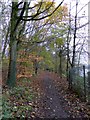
59	41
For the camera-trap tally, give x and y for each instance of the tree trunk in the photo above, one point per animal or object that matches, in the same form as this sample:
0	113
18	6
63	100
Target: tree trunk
60	65
74	41
56	70
11	81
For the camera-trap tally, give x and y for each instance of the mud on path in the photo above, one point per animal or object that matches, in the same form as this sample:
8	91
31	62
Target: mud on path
50	102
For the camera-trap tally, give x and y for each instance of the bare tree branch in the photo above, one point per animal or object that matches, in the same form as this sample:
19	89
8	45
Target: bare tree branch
33	17
38	13
21	15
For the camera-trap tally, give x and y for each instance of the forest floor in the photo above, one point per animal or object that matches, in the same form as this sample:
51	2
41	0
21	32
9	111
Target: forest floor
44	95
55	100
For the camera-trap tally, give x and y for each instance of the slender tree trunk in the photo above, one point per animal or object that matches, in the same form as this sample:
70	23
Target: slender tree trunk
60	65
5	43
56	62
67	70
74	41
68	41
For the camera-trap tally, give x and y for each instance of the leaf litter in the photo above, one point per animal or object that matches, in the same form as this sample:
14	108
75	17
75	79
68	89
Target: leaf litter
25	99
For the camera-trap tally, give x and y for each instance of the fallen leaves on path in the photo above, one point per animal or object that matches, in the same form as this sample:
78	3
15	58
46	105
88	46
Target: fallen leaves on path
72	103
26	99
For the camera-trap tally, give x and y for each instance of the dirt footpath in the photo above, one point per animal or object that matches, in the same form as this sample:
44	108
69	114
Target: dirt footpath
50	102
54	99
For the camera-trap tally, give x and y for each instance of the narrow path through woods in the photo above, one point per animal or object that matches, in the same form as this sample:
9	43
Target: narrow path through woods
54	99
53	104
50	101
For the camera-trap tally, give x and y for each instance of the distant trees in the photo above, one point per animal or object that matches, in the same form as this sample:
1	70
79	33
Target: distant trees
33	13
46	26
76	41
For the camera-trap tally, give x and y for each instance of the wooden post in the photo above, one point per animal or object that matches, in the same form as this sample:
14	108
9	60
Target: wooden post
89	87
84	82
